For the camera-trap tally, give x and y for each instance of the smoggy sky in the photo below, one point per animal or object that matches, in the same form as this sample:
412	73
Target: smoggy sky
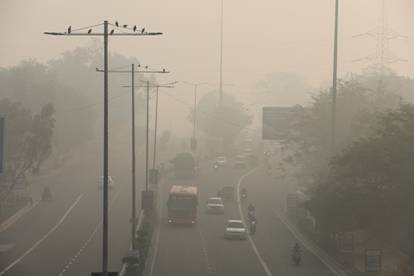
260	37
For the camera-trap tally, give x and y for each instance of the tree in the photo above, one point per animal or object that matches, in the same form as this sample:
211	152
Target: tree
369	181
221	122
28	141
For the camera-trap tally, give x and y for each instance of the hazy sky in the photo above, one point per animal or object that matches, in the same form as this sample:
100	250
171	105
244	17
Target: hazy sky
260	36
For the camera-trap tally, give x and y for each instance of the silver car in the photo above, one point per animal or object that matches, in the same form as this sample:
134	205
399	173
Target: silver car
215	205
235	229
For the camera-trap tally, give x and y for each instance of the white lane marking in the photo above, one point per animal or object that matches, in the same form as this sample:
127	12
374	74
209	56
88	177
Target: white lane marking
86	243
43	238
204	248
326	260
157	235
256	251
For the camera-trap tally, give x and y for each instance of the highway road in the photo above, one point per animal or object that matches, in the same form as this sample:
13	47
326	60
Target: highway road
63	237
202	250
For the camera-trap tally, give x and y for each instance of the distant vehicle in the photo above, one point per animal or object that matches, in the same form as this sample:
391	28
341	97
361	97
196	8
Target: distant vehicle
182	204
111	184
226	193
240	161
184	166
215	205
235	229
221	161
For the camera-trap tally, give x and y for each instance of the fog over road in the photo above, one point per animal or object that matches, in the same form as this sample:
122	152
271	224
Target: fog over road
202	249
63	237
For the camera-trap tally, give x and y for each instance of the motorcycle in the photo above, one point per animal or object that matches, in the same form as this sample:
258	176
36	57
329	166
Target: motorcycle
296	256
252	226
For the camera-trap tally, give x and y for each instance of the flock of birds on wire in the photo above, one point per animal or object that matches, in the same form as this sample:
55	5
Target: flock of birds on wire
142	31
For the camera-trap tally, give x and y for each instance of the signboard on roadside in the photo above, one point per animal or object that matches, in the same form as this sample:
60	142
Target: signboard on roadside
373	260
276	122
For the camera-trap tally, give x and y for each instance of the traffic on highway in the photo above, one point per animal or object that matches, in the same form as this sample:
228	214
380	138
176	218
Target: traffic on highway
206	138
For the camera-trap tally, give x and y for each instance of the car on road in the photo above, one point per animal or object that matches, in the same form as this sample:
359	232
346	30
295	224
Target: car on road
226	193
215	205
235	229
111	184
240	161
221	161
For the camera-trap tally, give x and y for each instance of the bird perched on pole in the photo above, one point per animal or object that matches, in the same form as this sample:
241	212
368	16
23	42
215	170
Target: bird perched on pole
89	31
135	28
143	30
116	23
112	32
69	29
125	26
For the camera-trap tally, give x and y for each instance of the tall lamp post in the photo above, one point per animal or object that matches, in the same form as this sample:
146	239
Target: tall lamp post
194	138
334	79
134	71
88	31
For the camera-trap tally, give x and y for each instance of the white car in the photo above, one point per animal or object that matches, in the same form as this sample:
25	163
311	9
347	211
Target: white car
111	184
235	229
221	161
215	205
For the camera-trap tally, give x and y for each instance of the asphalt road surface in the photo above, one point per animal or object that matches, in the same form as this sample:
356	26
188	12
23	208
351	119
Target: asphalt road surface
202	249
63	237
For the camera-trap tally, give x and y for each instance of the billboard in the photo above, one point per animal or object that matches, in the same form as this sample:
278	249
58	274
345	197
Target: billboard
276	122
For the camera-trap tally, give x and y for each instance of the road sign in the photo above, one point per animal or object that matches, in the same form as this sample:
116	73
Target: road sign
2	120
373	260
276	122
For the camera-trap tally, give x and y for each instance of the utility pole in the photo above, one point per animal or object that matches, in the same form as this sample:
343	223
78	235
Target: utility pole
195	85
133	178
334	79
105	35
157	86
221	54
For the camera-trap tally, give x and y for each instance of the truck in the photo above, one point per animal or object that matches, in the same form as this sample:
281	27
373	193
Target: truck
185	166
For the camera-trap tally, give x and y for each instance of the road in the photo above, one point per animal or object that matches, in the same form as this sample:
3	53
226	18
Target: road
202	250
63	237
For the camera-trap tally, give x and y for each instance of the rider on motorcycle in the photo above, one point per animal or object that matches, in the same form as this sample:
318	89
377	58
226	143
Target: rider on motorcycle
296	254
253	222
244	193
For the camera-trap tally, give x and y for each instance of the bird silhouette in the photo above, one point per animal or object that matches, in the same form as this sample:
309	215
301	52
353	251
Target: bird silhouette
69	29
112	32
125	26
89	31
146	67
116	23
135	28
163	70
143	30
139	65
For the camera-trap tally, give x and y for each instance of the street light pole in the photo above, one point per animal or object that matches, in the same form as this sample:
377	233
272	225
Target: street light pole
221	54
133	207
133	178
105	165
334	79
155	128
147	142
195	112
105	34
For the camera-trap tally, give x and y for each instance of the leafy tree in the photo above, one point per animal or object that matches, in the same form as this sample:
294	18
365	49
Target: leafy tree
370	180
222	122
28	141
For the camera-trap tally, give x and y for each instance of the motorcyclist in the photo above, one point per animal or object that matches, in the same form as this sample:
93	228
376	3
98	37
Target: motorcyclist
253	223
244	193
251	211
296	254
